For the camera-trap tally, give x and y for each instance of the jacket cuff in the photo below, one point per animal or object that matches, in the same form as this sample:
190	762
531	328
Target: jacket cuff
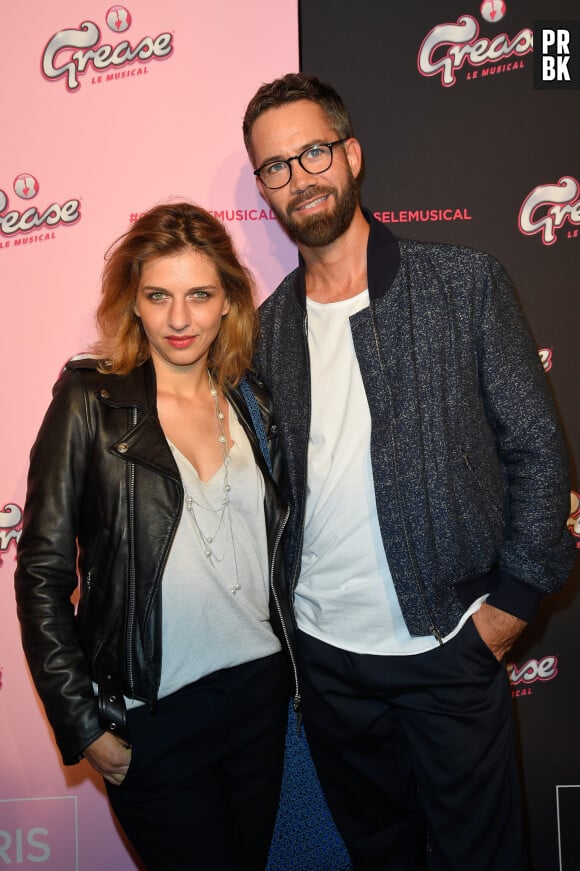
514	596
70	757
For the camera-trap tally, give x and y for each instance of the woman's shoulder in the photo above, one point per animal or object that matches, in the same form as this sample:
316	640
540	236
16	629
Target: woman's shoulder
93	376
72	373
79	373
90	362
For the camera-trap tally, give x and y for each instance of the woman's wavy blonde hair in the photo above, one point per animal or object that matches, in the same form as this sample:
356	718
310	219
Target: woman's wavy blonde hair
164	230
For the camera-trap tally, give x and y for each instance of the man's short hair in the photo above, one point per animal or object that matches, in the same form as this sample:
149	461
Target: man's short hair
289	89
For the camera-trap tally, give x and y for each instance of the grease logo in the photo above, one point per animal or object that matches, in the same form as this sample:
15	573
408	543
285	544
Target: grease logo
546	355
118	19
39	831
72	53
573	522
450	47
34	223
549	207
10	528
522	677
25	186
493	10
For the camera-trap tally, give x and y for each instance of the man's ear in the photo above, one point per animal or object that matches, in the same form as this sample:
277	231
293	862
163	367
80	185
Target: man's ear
354	155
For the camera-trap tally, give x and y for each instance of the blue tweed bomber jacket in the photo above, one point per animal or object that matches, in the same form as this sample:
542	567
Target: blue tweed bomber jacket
469	463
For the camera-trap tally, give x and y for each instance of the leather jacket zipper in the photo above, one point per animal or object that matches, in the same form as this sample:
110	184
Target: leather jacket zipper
131	598
297	700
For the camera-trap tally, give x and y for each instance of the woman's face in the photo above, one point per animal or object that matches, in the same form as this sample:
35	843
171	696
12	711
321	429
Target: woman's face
181	302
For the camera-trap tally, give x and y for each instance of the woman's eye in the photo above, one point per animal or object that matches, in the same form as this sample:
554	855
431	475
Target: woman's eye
200	294
157	296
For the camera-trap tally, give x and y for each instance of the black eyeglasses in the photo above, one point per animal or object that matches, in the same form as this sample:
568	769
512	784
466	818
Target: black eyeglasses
315	159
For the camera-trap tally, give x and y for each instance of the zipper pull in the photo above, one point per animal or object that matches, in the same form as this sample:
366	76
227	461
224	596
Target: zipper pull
437	634
297	704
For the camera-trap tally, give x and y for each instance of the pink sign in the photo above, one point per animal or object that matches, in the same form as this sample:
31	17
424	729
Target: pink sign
39	831
116	108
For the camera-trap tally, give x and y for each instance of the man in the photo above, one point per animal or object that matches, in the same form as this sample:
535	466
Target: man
429	489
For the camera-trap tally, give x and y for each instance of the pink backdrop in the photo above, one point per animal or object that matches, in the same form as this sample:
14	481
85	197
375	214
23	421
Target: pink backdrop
90	140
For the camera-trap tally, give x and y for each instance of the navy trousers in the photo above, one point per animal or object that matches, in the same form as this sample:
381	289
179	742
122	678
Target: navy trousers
415	755
204	781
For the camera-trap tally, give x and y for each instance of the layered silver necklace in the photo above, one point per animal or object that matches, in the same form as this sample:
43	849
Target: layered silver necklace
209	541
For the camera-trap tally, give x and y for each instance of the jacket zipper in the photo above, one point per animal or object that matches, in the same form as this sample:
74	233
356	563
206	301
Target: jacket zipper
297	700
418	580
131	603
154	687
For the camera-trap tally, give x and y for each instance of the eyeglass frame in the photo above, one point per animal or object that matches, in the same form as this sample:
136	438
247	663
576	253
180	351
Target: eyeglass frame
298	157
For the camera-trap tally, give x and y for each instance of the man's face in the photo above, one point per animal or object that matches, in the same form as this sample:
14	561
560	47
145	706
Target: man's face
315	210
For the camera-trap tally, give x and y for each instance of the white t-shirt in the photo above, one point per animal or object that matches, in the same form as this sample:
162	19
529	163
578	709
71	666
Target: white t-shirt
206	627
345	594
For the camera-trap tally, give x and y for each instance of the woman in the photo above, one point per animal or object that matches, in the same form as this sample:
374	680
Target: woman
148	487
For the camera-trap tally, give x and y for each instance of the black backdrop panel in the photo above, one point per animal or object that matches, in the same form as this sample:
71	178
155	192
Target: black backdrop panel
457	163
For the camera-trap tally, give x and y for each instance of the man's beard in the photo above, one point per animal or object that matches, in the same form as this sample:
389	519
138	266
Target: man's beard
318	231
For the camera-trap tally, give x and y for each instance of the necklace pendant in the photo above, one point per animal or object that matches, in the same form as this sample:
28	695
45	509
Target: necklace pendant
207	552
234	589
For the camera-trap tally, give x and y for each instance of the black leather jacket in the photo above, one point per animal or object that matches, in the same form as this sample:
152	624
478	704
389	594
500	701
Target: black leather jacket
103	503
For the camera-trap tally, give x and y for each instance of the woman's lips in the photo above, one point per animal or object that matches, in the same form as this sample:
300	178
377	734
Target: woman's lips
181	341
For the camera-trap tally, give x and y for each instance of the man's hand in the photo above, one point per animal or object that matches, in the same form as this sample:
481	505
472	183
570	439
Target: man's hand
498	629
110	756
